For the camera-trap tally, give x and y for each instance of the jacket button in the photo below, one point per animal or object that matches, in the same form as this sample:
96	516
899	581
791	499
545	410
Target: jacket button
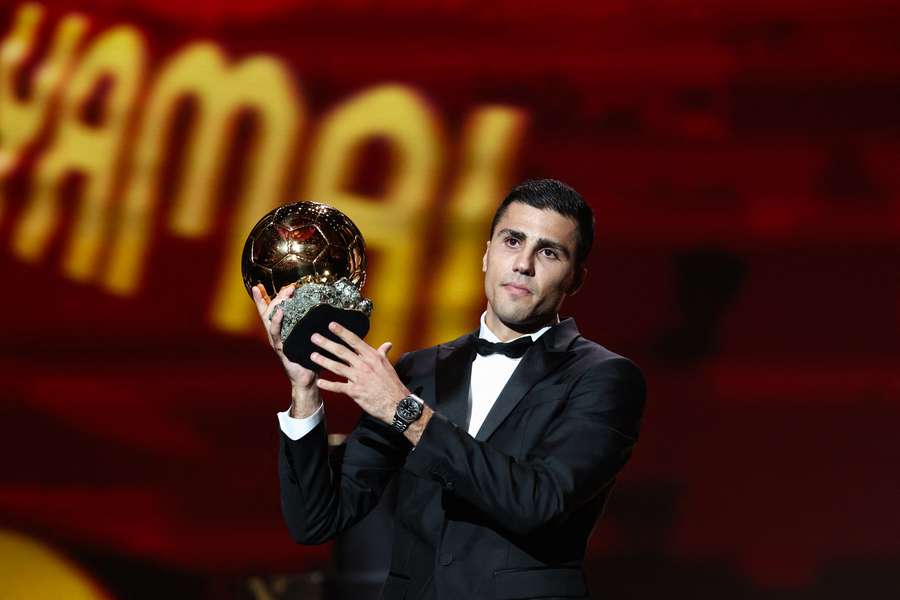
445	559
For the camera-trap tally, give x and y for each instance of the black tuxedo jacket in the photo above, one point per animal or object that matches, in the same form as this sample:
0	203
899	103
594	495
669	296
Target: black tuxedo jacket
506	514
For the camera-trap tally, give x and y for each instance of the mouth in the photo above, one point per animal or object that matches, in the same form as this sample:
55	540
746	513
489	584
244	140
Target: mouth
516	290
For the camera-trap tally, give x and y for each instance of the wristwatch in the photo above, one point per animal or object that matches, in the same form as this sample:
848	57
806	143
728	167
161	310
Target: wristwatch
409	409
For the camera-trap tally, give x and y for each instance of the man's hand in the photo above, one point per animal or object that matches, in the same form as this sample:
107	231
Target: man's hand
371	382
304	393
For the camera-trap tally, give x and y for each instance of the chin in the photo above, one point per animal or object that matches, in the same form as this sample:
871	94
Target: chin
515	317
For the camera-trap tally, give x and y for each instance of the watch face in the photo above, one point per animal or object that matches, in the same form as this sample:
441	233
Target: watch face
409	409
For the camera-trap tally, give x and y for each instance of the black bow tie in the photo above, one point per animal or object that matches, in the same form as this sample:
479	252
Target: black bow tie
514	349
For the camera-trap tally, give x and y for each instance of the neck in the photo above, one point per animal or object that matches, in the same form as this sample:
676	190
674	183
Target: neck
506	331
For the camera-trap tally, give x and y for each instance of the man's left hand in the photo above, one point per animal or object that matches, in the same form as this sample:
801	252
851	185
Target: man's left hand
371	382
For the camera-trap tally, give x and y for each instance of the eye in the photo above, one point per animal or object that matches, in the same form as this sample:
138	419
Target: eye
550	253
511	241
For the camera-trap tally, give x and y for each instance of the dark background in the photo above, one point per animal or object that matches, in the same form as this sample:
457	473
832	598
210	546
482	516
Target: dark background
742	162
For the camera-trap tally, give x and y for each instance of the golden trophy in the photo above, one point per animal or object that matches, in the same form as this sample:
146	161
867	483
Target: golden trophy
320	250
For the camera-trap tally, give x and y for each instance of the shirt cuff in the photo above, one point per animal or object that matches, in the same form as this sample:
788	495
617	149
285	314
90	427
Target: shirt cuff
297	428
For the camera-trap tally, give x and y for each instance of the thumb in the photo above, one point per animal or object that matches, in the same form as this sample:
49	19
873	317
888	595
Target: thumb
385	348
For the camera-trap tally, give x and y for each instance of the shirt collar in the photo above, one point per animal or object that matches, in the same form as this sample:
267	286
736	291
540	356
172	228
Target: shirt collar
486	333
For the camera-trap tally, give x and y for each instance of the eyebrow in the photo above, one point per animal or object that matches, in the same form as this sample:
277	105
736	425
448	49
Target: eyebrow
542	242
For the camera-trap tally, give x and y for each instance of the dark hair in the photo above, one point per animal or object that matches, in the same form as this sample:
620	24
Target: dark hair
550	194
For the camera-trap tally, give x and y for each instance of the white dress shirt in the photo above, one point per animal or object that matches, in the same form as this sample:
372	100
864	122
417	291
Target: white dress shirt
489	376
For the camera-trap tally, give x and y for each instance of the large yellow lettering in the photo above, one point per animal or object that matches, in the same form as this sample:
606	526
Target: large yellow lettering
490	140
260	83
394	225
91	149
22	119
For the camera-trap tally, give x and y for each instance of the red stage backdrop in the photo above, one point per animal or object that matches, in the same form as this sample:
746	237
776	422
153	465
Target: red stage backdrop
742	162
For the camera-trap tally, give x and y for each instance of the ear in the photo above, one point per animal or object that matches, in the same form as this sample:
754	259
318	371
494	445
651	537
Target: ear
577	281
487	247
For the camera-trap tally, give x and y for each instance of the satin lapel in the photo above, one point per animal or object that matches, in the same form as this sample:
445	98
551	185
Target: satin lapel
452	375
541	359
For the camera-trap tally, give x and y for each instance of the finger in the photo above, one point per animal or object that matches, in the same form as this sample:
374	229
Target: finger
264	293
332	386
351	338
336	367
339	350
284	293
261	308
275	328
257	291
385	348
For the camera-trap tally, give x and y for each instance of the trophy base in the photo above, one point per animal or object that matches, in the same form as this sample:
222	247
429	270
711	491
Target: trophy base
298	346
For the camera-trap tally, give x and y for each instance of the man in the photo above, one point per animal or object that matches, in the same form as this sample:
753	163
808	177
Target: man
508	449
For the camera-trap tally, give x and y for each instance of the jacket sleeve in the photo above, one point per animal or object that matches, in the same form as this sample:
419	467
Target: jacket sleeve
324	492
581	451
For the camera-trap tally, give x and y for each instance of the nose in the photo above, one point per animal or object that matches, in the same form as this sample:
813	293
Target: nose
524	264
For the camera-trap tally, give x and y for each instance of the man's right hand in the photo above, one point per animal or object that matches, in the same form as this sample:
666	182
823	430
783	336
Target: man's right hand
304	391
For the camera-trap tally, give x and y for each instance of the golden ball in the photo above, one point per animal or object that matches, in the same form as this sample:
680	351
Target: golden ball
303	242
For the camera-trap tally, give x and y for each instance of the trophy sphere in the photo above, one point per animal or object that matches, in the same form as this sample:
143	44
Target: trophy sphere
303	242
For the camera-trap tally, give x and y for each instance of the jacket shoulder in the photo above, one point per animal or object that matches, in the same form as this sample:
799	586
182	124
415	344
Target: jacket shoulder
616	382
591	356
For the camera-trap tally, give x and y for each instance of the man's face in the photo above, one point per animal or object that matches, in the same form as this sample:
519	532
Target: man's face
529	266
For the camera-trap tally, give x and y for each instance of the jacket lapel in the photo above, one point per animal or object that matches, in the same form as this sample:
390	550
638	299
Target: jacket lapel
452	375
541	359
